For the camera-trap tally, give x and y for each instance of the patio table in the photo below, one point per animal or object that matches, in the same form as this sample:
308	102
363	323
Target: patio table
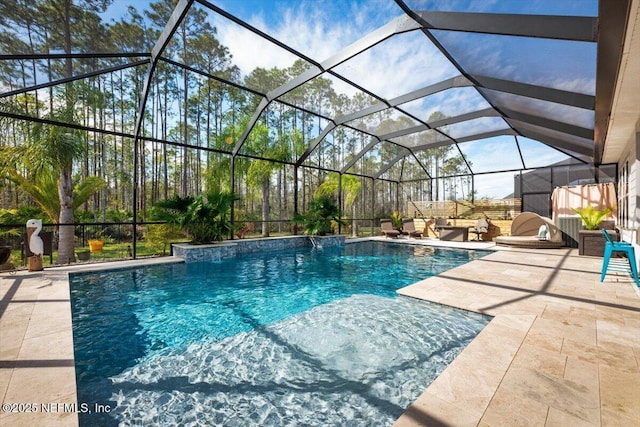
454	233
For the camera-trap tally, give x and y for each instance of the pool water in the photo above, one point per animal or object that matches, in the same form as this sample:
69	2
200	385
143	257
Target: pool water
294	337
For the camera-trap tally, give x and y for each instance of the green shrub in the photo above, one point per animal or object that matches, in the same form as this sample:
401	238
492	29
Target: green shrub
205	219
319	218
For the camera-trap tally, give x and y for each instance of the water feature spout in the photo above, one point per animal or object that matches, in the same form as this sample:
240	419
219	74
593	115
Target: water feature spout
315	243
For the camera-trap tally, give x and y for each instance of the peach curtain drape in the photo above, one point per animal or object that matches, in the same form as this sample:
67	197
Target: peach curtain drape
600	196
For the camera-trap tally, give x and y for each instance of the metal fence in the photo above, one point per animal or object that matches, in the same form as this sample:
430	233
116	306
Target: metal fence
117	238
15	236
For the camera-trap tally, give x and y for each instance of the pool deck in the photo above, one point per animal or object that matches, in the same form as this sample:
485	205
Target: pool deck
562	349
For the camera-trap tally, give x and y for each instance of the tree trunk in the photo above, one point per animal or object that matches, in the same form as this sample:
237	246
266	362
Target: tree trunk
265	208
279	196
185	119
354	225
66	232
165	155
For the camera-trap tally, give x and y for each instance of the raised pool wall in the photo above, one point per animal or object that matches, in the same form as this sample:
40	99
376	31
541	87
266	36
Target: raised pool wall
229	249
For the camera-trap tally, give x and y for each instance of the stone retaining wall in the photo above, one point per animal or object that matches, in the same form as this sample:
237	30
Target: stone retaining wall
211	252
229	249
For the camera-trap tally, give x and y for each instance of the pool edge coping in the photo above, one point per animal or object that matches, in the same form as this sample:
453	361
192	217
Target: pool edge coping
60	275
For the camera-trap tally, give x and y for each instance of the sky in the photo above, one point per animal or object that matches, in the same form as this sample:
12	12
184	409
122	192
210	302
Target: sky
319	29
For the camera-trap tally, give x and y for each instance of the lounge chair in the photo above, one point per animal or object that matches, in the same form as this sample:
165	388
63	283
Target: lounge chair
611	247
482	226
527	232
409	228
387	229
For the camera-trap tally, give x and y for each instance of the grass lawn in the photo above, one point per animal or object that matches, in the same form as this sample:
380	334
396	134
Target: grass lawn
111	251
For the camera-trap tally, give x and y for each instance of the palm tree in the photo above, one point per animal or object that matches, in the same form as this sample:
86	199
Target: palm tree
51	151
350	188
260	171
43	189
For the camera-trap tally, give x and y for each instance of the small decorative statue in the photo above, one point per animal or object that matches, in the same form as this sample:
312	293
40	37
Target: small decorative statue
36	245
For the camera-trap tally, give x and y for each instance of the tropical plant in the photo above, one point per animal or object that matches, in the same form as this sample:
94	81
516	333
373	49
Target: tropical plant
259	172
350	186
43	189
7	216
318	220
49	157
396	219
20	215
592	217
205	218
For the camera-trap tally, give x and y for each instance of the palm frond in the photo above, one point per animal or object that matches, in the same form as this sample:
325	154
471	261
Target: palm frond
85	189
43	189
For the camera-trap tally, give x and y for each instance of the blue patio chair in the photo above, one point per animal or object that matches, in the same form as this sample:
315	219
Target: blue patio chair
610	247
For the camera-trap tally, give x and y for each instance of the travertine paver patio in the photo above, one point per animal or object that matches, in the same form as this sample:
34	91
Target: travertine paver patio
563	348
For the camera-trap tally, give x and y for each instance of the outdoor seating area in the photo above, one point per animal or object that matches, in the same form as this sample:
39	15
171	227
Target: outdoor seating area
408	229
441	227
530	230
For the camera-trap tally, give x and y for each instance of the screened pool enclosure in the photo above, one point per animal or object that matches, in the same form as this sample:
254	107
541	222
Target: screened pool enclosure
384	102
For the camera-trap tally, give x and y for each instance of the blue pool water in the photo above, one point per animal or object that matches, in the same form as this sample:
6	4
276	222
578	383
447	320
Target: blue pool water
295	337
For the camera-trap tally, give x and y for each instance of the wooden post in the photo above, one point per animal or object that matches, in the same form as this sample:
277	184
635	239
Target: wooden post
35	263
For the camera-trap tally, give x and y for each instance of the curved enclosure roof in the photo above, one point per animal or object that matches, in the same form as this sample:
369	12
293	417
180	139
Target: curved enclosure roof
374	88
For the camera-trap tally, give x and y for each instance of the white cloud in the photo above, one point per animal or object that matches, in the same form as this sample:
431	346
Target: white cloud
398	65
250	50
313	31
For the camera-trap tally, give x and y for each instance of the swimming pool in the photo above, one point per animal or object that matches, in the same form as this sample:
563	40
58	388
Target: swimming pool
314	337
